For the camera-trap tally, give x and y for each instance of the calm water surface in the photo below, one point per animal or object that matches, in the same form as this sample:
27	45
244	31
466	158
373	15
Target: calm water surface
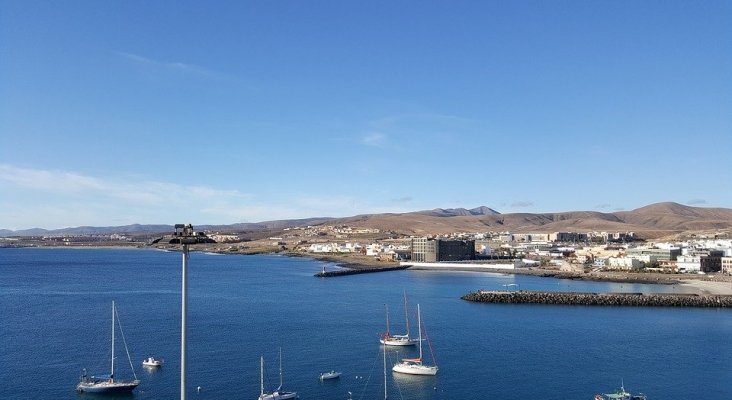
55	320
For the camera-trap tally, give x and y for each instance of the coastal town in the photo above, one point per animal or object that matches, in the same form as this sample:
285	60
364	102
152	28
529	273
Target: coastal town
590	254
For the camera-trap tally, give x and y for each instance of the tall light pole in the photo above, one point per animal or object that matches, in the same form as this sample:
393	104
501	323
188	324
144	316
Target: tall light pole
184	235
183	326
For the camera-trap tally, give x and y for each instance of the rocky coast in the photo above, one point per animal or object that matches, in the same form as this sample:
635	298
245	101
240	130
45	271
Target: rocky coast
600	299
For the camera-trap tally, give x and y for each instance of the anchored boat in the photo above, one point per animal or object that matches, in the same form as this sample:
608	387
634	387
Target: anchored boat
415	366
108	383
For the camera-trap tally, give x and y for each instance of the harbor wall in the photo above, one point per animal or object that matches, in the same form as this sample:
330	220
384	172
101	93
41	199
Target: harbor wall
600	299
343	272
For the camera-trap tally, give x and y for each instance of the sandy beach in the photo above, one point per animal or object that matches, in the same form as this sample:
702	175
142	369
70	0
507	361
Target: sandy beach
703	287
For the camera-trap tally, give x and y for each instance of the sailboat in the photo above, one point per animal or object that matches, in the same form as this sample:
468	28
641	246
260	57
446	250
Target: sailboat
620	394
414	366
107	383
397	340
278	394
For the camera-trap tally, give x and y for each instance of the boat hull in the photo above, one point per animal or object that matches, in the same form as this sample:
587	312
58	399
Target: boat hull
107	387
397	342
152	362
415	369
330	375
279	396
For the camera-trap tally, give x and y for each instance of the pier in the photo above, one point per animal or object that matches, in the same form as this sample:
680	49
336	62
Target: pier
600	299
342	272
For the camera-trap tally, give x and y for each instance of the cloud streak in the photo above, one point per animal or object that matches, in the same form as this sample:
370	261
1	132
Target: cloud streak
374	139
64	198
55	199
72	184
522	204
174	66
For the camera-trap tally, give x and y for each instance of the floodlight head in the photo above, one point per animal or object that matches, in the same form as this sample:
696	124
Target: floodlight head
183	234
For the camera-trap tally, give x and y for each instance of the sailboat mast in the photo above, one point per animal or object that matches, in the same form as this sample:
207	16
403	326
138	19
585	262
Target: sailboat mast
384	372
419	327
406	314
111	375
261	376
387	319
280	367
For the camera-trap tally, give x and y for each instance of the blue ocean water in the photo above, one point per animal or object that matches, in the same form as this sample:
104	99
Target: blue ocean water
55	320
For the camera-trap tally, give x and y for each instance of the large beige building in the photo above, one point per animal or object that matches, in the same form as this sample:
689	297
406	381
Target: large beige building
727	265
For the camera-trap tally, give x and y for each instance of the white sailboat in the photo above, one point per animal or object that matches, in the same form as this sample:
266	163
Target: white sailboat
107	383
414	366
620	394
278	394
388	339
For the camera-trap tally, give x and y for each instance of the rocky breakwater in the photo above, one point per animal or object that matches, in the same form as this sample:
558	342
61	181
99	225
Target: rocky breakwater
342	272
600	299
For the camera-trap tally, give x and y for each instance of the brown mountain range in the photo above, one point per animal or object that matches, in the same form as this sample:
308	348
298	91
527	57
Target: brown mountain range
652	221
649	222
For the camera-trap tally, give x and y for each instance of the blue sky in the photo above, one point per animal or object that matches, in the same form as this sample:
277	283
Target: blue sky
120	112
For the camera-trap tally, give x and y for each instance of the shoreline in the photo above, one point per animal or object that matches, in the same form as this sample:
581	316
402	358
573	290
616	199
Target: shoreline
704	285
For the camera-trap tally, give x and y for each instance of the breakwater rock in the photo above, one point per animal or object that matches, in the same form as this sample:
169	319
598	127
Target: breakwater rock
342	272
599	299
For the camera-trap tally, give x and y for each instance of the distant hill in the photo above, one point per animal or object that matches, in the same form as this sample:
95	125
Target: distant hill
650	221
456	212
138	229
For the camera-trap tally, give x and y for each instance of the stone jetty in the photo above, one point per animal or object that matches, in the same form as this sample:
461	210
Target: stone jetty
342	272
600	299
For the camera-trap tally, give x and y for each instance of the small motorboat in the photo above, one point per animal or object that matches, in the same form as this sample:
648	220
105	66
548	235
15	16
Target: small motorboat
152	362
330	375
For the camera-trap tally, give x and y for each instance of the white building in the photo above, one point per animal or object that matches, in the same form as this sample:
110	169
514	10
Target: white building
687	263
374	249
223	238
626	263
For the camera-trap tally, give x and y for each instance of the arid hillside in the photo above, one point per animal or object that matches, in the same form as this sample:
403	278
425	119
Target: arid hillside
652	221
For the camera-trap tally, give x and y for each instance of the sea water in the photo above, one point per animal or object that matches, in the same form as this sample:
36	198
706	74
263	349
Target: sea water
55	320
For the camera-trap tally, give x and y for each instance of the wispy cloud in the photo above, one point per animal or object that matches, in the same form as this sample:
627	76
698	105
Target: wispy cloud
696	201
139	192
405	199
522	204
603	206
66	198
374	139
56	198
175	66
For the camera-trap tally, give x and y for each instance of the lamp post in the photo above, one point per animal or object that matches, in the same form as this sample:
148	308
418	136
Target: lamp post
183	235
